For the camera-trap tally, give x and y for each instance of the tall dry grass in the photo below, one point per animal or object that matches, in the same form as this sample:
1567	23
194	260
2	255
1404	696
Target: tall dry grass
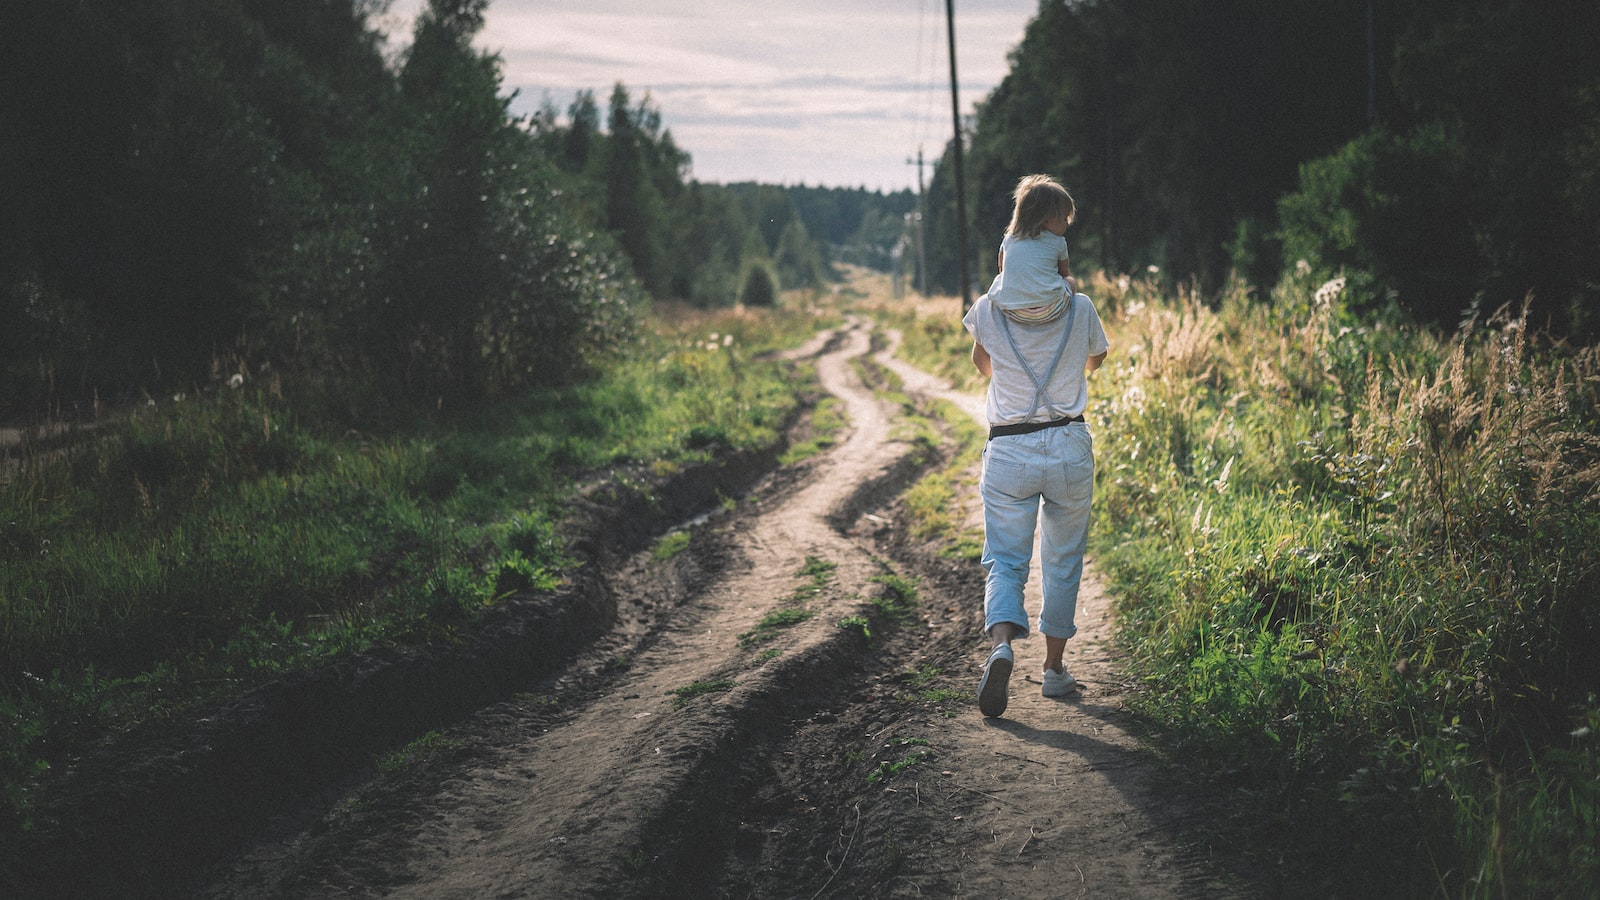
1356	564
1359	559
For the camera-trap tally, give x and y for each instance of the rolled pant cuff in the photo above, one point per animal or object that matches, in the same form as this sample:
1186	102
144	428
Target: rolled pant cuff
989	624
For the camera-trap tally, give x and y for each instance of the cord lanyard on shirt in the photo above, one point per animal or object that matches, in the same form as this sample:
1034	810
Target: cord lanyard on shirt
1039	387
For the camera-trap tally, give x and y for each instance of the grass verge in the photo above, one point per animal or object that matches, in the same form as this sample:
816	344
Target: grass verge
211	542
1354	563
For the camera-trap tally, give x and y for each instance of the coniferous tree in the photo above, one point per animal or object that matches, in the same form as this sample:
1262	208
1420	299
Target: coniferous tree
460	119
1458	138
582	132
633	201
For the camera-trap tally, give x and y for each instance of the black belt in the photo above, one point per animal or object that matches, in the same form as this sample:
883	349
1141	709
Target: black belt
1030	427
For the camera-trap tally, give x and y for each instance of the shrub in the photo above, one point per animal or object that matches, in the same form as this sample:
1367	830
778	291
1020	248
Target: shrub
760	287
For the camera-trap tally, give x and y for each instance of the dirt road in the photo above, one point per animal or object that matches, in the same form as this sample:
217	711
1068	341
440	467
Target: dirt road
736	731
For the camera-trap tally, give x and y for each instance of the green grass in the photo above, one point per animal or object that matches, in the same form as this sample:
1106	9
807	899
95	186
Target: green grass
818	574
895	604
898	599
888	768
201	545
1373	596
859	623
827	420
1353	564
773	623
427	747
682	696
930	502
670	545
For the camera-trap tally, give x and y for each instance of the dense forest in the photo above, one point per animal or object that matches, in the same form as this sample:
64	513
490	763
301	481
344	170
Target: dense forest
196	188
1440	154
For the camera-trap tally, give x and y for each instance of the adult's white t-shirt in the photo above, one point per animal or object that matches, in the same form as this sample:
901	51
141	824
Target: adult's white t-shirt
1010	398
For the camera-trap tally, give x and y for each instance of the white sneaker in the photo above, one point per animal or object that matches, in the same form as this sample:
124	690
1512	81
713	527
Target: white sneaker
1058	684
992	692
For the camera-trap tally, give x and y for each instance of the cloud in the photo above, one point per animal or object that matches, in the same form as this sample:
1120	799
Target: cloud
834	92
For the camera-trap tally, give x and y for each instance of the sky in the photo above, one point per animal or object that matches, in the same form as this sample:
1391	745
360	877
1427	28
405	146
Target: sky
831	93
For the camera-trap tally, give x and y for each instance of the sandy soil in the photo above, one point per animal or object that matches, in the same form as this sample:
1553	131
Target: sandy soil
821	763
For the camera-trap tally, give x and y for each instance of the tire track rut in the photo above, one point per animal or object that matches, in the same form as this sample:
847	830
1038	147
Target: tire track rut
596	783
584	802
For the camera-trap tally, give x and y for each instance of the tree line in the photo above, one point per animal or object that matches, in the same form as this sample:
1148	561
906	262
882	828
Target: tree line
1441	154
196	188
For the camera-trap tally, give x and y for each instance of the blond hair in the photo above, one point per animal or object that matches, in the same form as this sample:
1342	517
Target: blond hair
1036	199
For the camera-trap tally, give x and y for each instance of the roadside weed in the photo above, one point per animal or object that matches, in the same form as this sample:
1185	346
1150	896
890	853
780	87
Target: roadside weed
859	623
898	600
930	501
669	545
888	768
774	622
818	570
425	748
827	420
682	695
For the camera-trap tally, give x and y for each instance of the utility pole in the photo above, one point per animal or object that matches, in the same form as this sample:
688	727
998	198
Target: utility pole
922	245
961	177
1372	70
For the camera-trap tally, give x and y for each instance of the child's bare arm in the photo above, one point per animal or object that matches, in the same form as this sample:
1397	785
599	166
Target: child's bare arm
1065	268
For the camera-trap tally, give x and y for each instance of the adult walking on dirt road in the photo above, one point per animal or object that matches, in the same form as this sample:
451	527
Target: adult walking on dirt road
1036	339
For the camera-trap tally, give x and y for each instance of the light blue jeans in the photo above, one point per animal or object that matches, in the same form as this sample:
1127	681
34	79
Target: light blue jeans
1053	471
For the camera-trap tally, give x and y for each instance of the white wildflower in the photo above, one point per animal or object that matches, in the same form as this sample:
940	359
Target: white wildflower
1329	290
1302	268
236	380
